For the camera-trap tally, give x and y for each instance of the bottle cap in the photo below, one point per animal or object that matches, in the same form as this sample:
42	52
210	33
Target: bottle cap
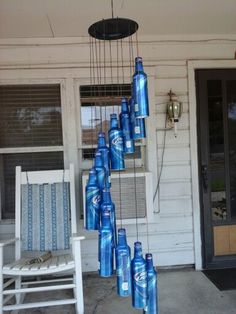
106	213
148	256
121	231
92	171
101	134
113	116
138	245
138	59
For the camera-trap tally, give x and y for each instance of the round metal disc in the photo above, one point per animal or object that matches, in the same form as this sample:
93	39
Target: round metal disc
112	29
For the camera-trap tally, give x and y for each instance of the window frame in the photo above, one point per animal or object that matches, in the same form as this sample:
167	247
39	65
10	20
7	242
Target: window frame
35	149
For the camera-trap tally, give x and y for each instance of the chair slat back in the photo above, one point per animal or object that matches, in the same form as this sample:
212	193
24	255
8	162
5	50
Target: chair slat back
45	201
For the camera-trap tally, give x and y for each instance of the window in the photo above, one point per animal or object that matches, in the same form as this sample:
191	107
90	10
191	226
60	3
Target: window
97	103
30	135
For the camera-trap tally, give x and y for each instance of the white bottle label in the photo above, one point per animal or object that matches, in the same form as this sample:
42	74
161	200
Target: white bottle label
137	130
128	144
125	286
136	107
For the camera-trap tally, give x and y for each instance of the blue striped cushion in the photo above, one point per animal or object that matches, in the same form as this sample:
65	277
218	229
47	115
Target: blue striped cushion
45	217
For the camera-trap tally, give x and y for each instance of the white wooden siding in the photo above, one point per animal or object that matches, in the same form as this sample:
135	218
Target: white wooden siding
171	234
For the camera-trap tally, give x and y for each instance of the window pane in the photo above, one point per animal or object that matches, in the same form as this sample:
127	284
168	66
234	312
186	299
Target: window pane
217	152
96	117
28	162
30	115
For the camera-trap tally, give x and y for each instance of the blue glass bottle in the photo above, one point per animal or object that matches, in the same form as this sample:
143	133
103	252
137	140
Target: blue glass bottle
101	171
108	205
138	130
139	278
116	145
93	198
152	301
140	90
104	150
126	127
106	246
123	265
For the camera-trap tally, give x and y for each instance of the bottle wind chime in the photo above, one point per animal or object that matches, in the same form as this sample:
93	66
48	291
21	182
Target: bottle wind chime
135	277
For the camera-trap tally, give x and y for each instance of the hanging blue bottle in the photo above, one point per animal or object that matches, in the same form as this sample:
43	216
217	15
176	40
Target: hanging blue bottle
123	265
116	145
106	246
139	278
138	130
140	90
93	198
101	171
152	301
126	127
108	205
104	150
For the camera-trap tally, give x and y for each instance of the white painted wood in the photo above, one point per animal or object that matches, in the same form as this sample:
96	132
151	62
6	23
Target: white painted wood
78	276
37	289
38	304
39	149
45	176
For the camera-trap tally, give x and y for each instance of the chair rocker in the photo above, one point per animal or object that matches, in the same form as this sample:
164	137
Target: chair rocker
45	222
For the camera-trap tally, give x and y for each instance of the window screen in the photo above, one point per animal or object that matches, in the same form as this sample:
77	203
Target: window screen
30	115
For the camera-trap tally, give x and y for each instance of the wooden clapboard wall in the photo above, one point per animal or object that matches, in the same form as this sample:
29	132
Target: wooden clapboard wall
165	60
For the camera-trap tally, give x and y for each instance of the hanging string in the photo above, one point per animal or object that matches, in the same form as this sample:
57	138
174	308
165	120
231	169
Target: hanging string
137	46
110	52
147	223
94	94
100	82
104	77
91	83
134	164
112	12
119	92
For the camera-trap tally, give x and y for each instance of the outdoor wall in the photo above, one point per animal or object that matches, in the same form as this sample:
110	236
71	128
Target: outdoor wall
171	233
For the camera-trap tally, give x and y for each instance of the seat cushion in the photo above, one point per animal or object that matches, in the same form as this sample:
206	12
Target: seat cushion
45	217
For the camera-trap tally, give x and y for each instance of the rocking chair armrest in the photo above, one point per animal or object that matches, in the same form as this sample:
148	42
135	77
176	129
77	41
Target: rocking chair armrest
8	241
76	237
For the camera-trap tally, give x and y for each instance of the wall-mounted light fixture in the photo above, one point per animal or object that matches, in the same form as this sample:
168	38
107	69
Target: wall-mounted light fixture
174	110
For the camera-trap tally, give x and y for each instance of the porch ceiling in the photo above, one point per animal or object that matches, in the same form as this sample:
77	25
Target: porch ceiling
69	18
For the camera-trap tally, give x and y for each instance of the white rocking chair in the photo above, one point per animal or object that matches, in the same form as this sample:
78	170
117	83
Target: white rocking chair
45	221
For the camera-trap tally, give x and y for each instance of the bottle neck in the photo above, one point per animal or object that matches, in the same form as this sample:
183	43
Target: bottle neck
124	105
122	237
101	140
137	249
138	64
149	262
106	195
114	123
92	177
106	220
98	161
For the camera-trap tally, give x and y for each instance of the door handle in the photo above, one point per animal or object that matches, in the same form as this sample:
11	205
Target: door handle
205	178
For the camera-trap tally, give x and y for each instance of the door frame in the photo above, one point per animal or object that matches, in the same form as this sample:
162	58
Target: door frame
192	66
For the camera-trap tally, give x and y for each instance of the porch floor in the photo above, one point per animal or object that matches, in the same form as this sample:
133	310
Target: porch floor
183	291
